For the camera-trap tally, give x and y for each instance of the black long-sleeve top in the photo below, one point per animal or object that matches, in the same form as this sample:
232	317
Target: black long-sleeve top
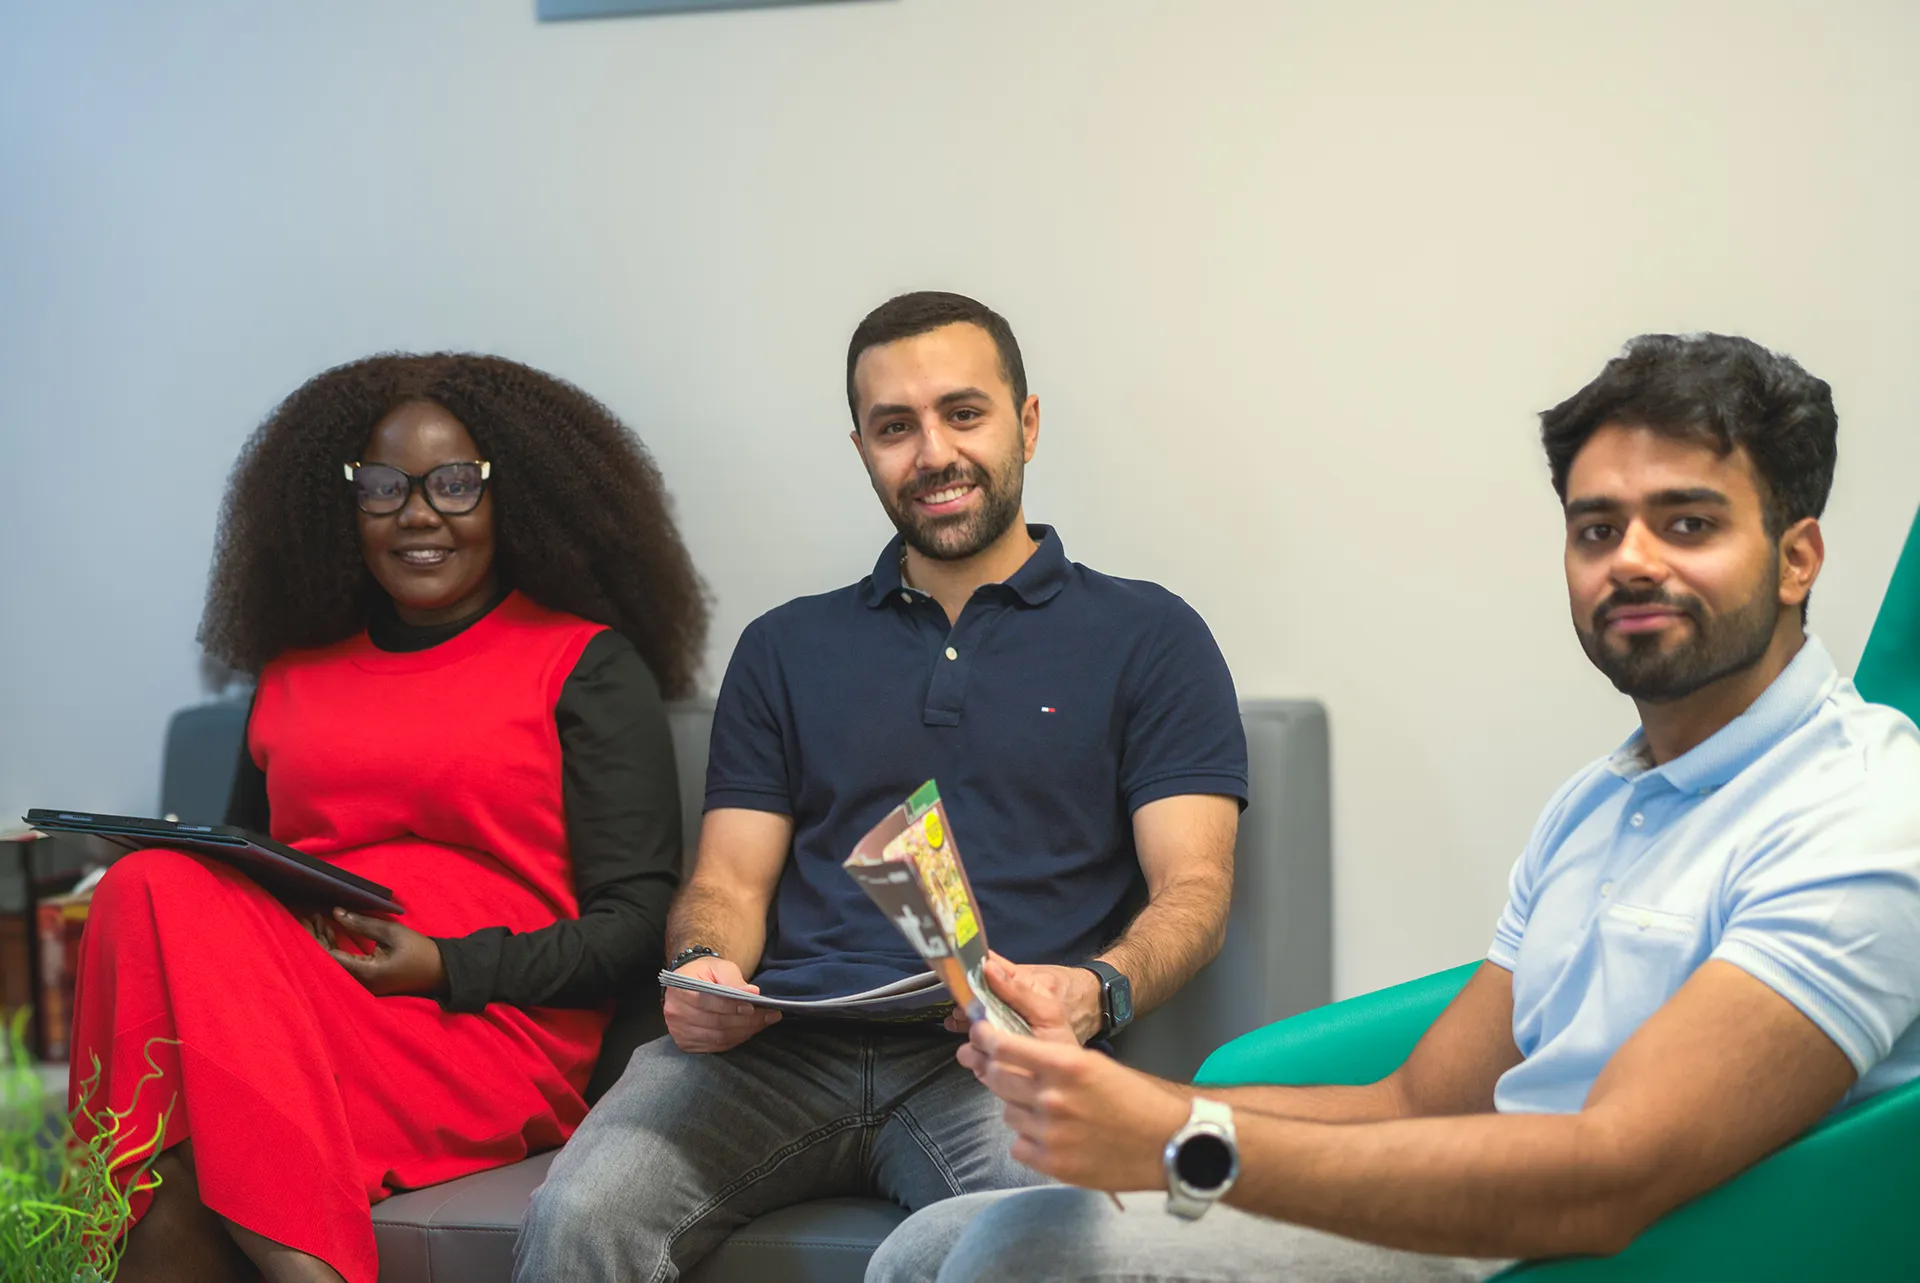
622	800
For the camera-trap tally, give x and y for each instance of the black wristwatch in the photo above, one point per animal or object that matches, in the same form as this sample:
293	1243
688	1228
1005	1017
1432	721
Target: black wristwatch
688	954
1116	996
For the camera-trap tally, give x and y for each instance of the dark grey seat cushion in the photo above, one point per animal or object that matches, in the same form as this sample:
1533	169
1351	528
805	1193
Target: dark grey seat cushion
1277	961
460	1232
826	1241
463	1232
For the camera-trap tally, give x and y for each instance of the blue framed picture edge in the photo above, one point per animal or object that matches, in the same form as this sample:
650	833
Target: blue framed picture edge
566	10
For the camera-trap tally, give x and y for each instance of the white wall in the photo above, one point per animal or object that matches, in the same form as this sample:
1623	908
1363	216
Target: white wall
1292	279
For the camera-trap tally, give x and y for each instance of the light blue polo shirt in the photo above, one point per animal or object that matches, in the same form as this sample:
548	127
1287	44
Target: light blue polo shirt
1788	844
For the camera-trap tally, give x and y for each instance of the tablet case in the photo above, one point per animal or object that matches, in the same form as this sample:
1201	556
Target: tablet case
271	863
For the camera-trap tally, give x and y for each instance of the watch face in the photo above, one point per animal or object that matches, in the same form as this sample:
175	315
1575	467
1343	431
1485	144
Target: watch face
1120	1000
1204	1161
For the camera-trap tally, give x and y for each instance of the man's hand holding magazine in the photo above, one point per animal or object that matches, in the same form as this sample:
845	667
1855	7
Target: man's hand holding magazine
1078	1116
1075	989
1029	991
704	1022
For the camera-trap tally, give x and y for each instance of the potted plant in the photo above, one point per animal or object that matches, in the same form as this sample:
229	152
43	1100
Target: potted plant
64	1203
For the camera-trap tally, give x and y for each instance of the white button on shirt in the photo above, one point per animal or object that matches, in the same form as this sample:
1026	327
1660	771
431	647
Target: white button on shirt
1787	845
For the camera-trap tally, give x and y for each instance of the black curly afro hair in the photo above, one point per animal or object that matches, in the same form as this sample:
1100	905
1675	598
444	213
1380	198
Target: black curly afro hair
581	515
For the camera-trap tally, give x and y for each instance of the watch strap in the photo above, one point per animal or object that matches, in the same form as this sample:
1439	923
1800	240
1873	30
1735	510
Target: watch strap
1108	973
1219	1113
1204	1118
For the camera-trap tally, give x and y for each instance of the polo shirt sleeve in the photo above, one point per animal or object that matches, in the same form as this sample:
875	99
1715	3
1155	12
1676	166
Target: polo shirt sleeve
1512	926
747	757
1183	731
1827	915
1524	879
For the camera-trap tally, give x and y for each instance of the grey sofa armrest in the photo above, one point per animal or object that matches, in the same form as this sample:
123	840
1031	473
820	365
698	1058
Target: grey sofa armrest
1278	957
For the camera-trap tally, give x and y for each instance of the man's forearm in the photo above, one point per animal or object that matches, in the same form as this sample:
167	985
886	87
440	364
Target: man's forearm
1179	932
707	914
1373	1103
1481	1185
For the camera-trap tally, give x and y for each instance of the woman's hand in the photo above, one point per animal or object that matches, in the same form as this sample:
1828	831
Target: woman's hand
316	924
402	962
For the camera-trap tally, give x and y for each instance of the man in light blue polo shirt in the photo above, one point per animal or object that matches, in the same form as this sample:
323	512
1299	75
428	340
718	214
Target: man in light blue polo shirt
1711	940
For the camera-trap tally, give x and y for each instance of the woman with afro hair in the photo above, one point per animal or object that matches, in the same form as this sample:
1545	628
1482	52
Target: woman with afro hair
463	595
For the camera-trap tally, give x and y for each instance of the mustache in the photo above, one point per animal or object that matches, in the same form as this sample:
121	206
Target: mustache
1620	598
952	475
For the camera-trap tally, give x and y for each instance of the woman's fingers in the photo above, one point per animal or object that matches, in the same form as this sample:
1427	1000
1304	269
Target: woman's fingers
372	928
358	965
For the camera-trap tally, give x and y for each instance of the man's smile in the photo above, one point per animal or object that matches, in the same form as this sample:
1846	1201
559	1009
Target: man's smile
941	502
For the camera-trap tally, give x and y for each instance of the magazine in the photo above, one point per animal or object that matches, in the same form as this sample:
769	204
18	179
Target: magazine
915	993
909	865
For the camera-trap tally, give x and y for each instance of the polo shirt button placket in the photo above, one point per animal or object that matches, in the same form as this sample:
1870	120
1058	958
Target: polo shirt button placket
1630	841
946	693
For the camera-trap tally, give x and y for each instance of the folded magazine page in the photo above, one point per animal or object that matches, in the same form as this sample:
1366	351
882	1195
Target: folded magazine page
909	864
915	993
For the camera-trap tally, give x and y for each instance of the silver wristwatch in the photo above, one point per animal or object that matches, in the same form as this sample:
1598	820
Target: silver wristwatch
1202	1160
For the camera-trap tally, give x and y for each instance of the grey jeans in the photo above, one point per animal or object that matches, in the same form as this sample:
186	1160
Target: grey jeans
1076	1236
685	1149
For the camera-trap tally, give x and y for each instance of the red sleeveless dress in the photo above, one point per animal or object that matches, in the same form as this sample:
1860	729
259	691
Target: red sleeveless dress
437	773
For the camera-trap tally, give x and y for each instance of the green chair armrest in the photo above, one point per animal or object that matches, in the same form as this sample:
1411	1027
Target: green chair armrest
1360	1040
1889	671
1832	1205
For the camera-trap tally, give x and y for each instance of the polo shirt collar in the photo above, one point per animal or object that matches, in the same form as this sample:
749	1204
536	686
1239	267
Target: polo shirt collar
1793	697
1037	581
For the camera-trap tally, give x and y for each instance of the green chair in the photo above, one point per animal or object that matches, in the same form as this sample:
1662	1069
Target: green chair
1889	671
1833	1204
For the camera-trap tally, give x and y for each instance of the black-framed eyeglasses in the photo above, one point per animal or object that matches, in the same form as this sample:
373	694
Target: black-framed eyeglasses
380	489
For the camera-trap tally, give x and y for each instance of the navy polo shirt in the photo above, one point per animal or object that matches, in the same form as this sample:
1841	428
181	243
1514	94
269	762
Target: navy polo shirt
1063	701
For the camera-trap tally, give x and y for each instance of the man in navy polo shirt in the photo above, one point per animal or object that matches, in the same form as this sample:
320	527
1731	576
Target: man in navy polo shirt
1088	746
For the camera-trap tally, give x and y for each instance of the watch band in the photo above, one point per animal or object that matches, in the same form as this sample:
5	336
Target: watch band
688	954
1109	975
1209	1128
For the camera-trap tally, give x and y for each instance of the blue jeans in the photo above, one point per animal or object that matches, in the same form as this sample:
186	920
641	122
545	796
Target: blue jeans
1073	1234
685	1149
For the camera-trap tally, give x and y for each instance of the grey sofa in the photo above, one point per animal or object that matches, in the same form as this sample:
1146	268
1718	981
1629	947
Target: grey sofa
1277	961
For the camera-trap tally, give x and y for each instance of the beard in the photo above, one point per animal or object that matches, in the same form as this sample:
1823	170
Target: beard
957	537
1721	645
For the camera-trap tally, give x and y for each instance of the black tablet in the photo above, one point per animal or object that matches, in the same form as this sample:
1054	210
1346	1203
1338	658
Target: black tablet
273	864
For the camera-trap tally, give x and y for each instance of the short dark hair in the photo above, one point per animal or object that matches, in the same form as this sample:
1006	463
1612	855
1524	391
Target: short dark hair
1722	391
906	315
